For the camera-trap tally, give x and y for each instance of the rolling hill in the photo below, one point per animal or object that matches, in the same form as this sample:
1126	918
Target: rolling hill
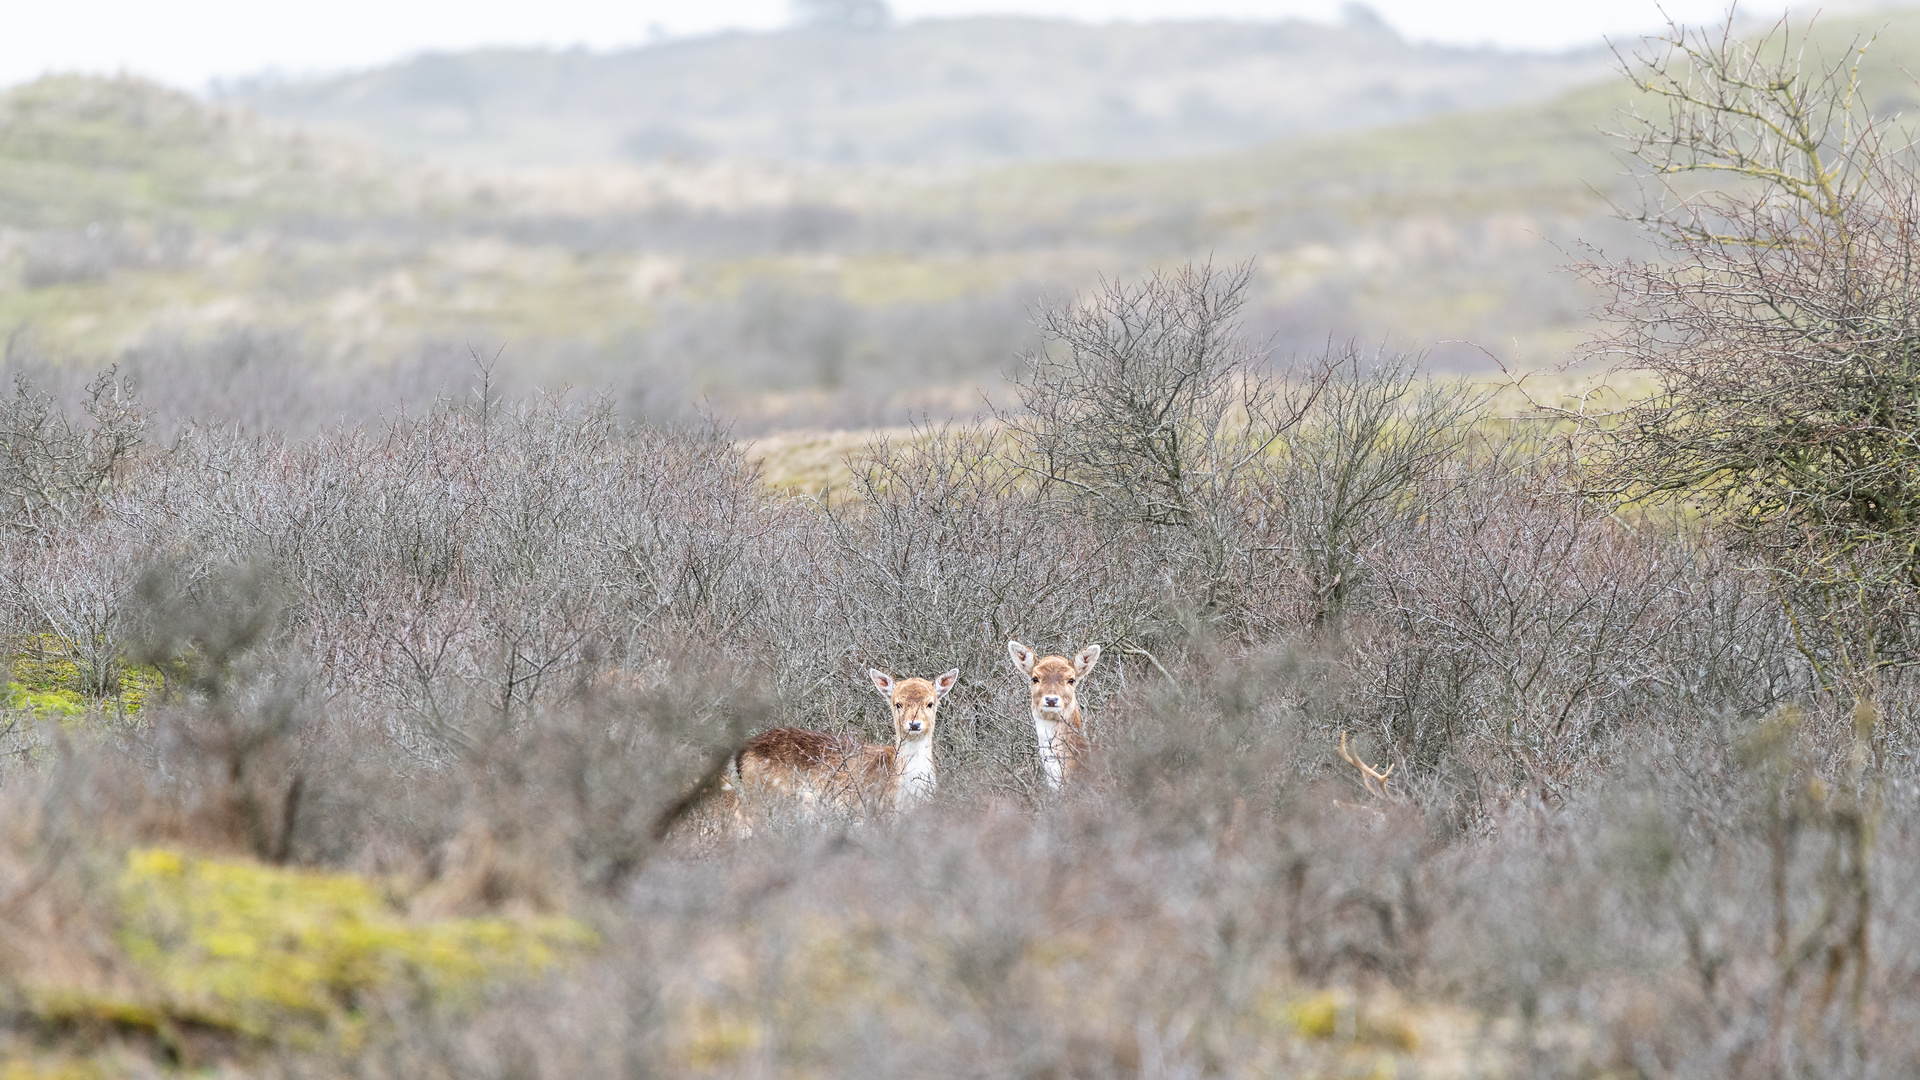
933	93
196	241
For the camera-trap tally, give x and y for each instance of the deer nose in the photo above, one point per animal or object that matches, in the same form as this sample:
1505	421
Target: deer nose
914	725
1050	701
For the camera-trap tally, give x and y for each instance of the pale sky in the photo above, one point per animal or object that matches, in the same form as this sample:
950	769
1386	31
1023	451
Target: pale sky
189	42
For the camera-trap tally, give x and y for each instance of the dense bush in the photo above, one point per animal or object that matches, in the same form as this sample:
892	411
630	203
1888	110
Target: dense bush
1779	326
495	653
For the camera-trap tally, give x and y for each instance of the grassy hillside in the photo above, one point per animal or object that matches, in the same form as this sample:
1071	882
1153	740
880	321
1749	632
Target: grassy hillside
77	150
212	235
949	92
185	239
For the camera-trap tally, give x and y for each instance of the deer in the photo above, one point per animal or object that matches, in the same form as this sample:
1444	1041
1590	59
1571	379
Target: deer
842	772
1058	723
1374	781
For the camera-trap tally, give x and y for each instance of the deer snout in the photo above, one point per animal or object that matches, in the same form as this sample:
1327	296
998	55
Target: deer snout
1050	702
915	727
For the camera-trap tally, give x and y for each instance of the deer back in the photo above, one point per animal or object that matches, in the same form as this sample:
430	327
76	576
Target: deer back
836	769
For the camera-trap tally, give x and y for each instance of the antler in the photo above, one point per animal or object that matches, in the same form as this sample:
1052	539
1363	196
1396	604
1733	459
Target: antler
1374	780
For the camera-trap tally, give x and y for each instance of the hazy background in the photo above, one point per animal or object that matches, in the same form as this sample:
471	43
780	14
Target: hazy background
833	213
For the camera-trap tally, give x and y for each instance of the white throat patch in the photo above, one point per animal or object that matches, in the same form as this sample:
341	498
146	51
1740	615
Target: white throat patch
916	770
1052	752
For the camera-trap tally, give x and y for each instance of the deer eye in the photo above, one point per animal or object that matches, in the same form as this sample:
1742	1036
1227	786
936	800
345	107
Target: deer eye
1036	680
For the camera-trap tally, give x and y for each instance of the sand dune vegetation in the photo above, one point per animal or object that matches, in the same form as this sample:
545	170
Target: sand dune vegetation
1431	732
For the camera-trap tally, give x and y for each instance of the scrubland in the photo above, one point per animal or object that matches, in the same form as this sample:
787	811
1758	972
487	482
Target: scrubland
223	260
379	752
1437	732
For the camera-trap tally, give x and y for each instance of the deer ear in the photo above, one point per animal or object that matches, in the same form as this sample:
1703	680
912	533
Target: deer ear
1023	657
1084	660
945	683
882	682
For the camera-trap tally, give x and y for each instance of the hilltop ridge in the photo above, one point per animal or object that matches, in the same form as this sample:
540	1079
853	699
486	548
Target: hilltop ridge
139	222
938	92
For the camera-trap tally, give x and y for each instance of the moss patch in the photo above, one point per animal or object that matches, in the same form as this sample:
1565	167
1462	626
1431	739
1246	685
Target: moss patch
287	955
1339	1016
50	678
52	1069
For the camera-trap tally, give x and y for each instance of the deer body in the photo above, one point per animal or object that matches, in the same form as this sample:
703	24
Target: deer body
841	772
1058	725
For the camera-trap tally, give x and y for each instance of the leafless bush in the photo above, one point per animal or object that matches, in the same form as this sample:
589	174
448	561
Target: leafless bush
229	725
1148	408
1355	467
52	468
568	797
82	593
1153	405
1521	619
503	550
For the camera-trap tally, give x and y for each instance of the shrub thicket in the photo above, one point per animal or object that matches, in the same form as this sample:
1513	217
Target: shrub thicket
476	670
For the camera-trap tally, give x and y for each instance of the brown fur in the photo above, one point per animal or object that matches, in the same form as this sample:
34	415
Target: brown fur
840	771
1054	681
837	769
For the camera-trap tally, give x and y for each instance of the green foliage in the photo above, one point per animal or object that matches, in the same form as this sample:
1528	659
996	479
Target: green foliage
277	953
77	150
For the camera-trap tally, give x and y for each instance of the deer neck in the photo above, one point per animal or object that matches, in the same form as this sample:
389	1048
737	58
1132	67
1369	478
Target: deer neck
913	771
1062	739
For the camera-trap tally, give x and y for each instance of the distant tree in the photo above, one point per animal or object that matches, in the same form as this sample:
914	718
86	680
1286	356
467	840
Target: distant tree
842	14
1364	17
1781	330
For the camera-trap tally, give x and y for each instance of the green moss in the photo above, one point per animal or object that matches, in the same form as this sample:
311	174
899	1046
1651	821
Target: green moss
48	677
28	1069
278	953
1337	1016
57	703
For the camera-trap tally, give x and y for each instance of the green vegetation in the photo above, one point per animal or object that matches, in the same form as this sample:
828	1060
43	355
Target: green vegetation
48	678
147	227
274	957
273	953
77	150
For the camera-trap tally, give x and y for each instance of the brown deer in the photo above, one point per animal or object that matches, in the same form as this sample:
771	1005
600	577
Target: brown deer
841	772
1057	721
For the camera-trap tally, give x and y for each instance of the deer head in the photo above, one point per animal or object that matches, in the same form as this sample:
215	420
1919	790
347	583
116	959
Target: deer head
1054	680
913	701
